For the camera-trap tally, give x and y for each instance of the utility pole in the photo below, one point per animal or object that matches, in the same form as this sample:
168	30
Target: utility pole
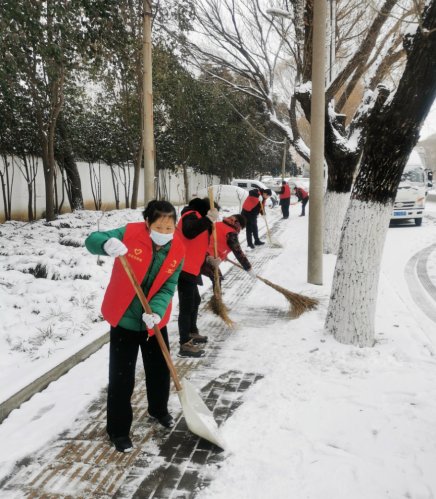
316	192
284	158
147	99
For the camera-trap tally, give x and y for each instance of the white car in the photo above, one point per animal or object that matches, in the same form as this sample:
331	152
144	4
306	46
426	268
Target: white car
225	195
249	184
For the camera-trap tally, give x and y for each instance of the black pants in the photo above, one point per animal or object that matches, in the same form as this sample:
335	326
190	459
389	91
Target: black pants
252	230
189	301
284	203
123	353
303	205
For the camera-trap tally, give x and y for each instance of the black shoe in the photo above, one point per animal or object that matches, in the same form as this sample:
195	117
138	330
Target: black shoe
251	246
302	215
167	421
259	243
122	444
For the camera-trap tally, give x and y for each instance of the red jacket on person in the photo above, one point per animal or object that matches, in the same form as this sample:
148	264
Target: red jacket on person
196	248
301	193
286	194
222	230
250	203
120	292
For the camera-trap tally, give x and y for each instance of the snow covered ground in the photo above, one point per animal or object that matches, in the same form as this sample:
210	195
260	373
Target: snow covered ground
326	421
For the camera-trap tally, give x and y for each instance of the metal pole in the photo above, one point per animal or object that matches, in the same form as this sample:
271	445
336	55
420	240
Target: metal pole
314	268
147	98
284	159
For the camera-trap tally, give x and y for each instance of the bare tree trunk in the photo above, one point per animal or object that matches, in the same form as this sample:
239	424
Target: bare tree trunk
136	175
6	188
66	161
30	184
186	183
392	134
116	187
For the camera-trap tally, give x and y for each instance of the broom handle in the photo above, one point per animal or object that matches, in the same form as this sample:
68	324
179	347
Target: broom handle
156	329
215	240
242	268
266	222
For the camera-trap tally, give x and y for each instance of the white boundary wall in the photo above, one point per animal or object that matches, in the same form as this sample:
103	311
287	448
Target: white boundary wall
171	183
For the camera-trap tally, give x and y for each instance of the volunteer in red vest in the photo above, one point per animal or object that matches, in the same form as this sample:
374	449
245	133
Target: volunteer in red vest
303	197
195	227
251	209
285	199
155	252
227	241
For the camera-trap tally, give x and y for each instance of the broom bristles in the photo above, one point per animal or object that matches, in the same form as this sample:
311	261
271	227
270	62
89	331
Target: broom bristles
299	303
220	309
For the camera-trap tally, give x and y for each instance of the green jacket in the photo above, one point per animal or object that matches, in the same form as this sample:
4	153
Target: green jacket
132	318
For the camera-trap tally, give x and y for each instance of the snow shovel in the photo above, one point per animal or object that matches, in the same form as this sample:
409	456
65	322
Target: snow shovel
272	243
197	416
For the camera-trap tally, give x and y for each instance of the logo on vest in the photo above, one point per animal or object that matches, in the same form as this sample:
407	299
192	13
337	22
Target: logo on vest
172	267
136	253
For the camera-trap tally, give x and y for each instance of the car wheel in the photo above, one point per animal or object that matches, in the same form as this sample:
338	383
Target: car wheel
418	221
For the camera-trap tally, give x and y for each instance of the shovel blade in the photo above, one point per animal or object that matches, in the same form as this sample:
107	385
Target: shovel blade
198	418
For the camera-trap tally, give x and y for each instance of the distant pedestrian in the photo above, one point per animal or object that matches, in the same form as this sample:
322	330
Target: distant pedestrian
251	209
303	197
155	252
285	199
195	227
227	241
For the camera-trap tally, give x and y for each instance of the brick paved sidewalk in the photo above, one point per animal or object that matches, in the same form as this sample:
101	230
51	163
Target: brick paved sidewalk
164	464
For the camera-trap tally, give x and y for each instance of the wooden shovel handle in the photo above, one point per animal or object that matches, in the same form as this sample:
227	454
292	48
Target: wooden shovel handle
156	329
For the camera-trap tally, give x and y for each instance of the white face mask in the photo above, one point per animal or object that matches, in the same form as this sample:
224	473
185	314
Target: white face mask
159	238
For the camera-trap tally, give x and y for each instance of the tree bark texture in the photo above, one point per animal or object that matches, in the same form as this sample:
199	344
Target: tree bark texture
335	207
392	133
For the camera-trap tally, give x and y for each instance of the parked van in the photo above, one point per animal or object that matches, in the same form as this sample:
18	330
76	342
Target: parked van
412	191
249	184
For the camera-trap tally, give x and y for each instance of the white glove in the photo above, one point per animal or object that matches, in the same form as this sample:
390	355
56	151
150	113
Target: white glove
252	273
214	262
213	215
114	247
150	319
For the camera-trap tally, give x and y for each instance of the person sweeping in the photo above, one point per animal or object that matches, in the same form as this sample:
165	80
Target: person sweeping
155	252
303	198
285	199
195	228
227	241
250	210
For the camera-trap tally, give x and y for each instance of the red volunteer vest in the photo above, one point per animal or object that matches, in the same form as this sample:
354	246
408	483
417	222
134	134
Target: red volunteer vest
120	292
250	203
222	229
196	248
287	193
302	192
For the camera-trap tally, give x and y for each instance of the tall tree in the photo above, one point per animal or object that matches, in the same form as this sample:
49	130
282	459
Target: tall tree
392	133
271	54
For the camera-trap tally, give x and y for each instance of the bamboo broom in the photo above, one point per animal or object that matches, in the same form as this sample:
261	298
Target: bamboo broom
298	303
216	303
273	243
